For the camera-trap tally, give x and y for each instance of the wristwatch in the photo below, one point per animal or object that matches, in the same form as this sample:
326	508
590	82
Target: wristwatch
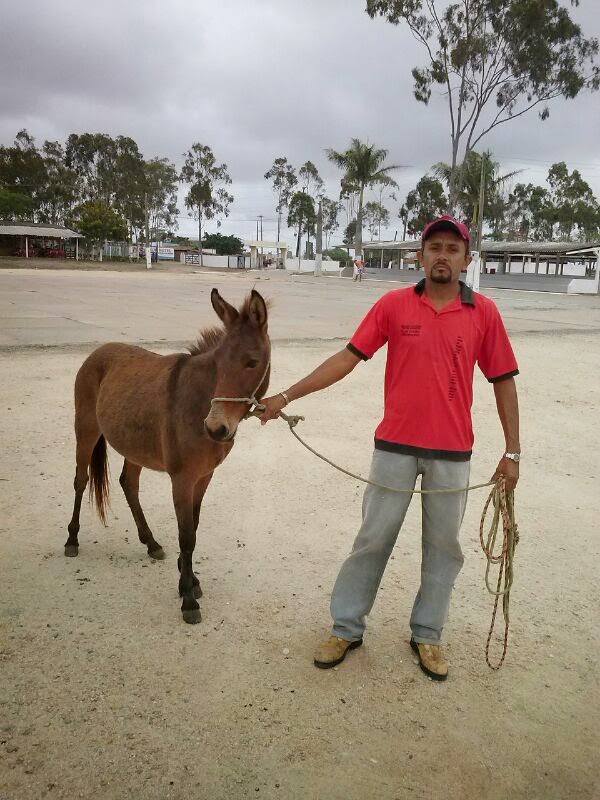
516	457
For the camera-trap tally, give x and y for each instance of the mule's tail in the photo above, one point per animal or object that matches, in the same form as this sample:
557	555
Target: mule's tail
100	478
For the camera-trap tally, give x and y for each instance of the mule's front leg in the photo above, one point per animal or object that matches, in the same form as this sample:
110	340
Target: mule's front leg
183	499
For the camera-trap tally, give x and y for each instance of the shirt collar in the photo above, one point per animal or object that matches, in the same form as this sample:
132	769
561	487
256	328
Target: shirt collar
467	295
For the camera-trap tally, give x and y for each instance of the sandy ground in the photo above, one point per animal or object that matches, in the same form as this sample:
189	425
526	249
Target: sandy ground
105	693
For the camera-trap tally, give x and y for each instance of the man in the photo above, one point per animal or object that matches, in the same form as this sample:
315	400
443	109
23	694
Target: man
435	331
359	269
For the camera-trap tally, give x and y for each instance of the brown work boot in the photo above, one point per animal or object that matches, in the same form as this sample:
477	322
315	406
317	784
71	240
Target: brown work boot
431	660
333	651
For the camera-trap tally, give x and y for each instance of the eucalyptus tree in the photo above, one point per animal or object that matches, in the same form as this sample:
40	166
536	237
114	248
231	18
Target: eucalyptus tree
376	215
207	196
310	180
331	210
423	203
301	215
59	194
159	199
92	156
283	177
493	61
312	185
572	199
22	177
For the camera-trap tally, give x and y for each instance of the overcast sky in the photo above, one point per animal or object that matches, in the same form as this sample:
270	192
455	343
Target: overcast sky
254	80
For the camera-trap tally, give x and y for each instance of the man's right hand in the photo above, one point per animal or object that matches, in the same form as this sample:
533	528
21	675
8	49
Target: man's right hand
273	407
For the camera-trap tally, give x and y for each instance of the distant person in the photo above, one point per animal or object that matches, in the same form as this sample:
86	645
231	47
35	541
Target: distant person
359	269
436	332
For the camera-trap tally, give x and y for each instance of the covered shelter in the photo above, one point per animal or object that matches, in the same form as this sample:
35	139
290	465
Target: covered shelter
547	258
30	239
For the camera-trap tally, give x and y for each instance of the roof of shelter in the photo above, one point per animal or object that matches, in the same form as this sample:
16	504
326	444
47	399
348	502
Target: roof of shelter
490	247
37	229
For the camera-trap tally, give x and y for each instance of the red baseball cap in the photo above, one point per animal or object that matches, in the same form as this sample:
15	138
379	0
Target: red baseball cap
446	223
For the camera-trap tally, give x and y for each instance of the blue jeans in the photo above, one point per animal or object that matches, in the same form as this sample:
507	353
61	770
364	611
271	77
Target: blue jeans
356	586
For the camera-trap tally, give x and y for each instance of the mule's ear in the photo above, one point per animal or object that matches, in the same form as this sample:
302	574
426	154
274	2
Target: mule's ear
257	310
226	313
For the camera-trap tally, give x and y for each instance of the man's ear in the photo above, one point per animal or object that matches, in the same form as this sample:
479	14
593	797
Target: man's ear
226	313
420	257
257	310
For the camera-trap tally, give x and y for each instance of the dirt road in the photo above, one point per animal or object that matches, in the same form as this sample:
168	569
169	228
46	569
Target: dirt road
107	694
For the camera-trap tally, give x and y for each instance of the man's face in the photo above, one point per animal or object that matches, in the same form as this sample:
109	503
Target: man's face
444	256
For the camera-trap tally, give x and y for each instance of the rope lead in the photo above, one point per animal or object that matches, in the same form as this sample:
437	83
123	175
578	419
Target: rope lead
504	507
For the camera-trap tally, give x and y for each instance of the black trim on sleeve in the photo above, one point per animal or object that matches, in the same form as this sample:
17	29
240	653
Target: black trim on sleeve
504	377
423	452
356	351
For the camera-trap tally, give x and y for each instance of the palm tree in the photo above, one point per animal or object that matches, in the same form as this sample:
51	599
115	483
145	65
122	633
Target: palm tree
470	183
362	165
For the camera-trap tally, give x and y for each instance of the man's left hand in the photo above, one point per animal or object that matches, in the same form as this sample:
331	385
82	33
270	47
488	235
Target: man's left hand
509	470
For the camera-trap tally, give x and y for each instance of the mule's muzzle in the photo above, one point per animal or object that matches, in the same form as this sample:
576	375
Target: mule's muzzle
220	433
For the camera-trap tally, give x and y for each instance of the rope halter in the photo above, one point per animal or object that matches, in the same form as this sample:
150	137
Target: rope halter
252	402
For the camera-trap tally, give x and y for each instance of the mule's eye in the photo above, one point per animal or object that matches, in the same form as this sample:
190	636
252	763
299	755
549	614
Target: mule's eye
252	363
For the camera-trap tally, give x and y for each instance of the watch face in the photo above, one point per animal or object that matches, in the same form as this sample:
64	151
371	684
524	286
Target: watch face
516	457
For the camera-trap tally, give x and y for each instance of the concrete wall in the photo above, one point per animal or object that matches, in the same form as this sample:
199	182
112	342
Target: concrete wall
583	287
308	265
528	267
211	260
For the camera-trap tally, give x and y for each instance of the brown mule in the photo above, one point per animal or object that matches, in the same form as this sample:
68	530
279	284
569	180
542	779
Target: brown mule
156	411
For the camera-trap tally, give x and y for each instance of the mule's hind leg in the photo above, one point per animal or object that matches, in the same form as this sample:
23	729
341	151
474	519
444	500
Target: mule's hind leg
86	441
130	482
199	492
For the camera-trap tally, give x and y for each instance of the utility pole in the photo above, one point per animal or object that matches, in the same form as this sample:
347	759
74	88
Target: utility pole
481	203
404	218
319	242
199	237
475	266
148	245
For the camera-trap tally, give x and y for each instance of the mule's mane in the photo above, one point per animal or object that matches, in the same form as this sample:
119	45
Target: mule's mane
209	338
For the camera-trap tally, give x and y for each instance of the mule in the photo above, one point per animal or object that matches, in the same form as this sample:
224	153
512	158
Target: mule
173	414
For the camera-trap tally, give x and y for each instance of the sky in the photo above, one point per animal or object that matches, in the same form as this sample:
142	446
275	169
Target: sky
255	80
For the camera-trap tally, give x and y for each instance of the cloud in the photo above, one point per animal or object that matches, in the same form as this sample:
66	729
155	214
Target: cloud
254	80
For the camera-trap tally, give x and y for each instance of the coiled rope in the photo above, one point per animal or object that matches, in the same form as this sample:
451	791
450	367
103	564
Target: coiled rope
503	504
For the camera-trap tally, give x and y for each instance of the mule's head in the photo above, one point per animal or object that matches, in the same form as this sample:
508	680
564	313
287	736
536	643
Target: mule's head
242	363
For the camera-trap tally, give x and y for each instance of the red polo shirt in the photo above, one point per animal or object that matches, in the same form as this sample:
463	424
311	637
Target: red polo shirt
429	371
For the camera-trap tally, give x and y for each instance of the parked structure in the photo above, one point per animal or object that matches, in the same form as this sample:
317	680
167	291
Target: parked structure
29	239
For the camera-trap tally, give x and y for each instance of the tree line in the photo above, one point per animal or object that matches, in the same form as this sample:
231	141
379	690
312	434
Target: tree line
564	209
103	187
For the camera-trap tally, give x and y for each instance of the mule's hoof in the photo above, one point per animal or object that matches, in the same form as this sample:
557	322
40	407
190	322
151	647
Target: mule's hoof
191	615
71	550
197	591
157	555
